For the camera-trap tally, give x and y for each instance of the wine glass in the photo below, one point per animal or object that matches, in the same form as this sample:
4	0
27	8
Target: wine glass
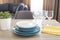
49	15
44	17
44	14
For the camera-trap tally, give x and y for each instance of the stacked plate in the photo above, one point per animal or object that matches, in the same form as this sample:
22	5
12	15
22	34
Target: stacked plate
26	28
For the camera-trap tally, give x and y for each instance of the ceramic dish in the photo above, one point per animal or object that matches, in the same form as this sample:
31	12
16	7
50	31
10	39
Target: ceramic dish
25	29
26	24
26	33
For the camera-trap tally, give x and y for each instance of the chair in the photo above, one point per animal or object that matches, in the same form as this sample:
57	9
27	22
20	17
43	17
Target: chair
23	15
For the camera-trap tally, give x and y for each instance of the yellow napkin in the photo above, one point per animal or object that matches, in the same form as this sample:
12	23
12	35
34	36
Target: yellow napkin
51	30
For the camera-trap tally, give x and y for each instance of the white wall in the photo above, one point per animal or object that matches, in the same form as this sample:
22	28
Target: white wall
36	5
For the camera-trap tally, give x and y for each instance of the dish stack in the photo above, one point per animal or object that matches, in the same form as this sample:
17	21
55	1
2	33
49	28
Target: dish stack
26	28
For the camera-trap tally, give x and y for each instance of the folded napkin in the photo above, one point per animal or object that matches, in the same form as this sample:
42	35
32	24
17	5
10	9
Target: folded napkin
51	30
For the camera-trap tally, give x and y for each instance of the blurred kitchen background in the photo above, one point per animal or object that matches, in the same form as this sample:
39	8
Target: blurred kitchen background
33	5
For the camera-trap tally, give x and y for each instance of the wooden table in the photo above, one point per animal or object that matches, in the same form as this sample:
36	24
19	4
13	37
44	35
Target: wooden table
9	35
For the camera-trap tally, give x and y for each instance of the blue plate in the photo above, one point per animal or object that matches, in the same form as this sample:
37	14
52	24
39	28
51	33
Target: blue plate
33	31
27	33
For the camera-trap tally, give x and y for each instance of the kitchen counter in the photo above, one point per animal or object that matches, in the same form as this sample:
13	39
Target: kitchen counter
9	35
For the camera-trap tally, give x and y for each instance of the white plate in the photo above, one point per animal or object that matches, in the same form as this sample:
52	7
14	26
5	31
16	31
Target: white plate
26	24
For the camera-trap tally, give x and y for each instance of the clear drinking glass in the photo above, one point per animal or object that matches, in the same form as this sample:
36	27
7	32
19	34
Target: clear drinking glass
44	14
38	15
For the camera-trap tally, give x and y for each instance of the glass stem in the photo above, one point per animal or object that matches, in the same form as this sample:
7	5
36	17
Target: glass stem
49	21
